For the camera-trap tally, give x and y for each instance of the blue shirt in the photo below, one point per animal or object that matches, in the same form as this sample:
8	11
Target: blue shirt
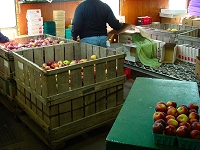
90	19
3	38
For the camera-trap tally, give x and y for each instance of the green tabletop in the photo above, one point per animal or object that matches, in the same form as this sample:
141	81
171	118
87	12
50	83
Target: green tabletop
132	128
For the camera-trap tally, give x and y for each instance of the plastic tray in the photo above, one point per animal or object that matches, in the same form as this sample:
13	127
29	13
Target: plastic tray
164	139
187	143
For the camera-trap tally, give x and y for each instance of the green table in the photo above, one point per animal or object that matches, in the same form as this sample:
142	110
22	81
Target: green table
132	128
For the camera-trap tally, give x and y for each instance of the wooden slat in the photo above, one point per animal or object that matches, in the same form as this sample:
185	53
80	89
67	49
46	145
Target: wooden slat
49	54
63	82
59	52
69	51
65	113
83	50
39	56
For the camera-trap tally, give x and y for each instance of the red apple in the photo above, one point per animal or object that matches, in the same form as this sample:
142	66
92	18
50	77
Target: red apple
192	120
171	103
44	65
182	118
195	126
172	122
193	115
193	106
170	107
47	68
49	63
172	111
182	131
162	121
195	134
182	109
170	130
161	107
169	117
158	128
187	124
192	110
158	115
160	103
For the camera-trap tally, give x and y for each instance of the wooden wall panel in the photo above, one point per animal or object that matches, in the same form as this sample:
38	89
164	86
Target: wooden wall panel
132	9
47	12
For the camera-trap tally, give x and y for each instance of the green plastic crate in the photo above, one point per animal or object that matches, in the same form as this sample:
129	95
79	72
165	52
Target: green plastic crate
187	143
164	139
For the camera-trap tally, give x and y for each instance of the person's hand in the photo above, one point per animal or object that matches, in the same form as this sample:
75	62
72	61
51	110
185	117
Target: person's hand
11	40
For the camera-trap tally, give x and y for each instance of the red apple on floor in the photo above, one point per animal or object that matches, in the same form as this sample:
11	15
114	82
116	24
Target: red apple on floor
172	111
182	109
192	120
195	126
195	134
172	122
162	121
169	117
193	106
186	124
170	130
158	115
182	118
182	131
171	103
158	128
193	115
161	107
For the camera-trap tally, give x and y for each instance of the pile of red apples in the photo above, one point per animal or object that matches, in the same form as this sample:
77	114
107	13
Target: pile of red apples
172	120
61	63
34	42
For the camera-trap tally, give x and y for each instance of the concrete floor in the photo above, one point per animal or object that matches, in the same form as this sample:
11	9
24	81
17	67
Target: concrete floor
93	140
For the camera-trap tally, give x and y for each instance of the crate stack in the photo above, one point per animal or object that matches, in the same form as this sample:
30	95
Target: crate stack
34	22
59	19
71	98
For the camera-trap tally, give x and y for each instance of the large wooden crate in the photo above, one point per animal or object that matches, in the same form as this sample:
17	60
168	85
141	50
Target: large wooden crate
6	57
190	37
63	108
161	32
8	89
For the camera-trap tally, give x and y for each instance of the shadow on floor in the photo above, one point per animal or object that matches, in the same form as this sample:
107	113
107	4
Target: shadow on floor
25	139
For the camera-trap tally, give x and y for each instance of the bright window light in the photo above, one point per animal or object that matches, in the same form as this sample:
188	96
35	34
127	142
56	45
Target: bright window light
177	4
114	5
8	16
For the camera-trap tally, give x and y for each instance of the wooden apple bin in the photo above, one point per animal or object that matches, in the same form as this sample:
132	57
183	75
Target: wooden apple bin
66	109
7	83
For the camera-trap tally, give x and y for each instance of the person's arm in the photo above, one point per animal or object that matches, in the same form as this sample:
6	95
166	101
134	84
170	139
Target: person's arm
3	38
77	23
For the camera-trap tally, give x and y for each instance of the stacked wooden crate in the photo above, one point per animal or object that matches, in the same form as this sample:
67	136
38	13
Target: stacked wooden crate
59	19
7	82
62	103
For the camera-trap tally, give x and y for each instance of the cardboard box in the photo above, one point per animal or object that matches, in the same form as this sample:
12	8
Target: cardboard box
170	20
187	22
174	11
196	22
197	67
170	53
131	52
